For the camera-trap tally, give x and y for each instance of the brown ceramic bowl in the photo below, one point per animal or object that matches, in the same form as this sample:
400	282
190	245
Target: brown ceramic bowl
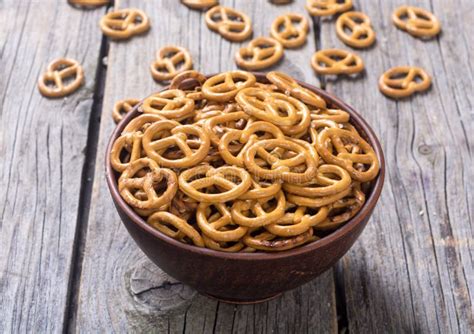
248	277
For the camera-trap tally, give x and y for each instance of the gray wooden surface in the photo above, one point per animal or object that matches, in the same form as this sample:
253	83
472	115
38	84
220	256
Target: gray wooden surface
67	263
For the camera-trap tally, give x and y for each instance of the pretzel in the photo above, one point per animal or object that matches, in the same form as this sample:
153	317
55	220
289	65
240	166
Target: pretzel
185	76
341	157
56	73
336	115
280	168
170	61
212	224
300	128
361	33
261	189
416	21
252	213
224	86
327	7
260	53
156	141
214	177
223	246
89	3
298	222
289	86
290	30
225	123
200	4
183	206
336	61
265	241
128	181
129	141
123	107
142	122
171	104
400	81
124	23
317	202
231	24
160	219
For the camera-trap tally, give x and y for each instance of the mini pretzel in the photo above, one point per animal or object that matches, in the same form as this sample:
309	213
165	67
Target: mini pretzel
184	76
336	138
132	142
170	61
317	202
336	115
336	61
228	247
89	3
200	4
218	177
280	167
265	241
290	30
142	122
225	123
123	107
252	213
416	21
290	86
57	72
224	86
327	7
298	222
400	81
172	104
124	23
128	182
230	23
260	53
156	141
361	33
212	224
261	189
160	219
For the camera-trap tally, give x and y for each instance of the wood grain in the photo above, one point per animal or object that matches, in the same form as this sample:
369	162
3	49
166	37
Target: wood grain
117	291
41	159
412	270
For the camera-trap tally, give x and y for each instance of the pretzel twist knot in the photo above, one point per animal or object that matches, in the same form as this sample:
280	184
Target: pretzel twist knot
327	7
290	30
401	81
170	61
230	23
416	21
124	23
336	61
360	35
51	83
260	53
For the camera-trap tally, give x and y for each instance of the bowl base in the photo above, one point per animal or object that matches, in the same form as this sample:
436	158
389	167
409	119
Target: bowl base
241	301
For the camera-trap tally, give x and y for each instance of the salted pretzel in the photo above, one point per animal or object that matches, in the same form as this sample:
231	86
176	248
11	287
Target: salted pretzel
130	142
123	107
170	61
361	34
255	213
327	7
215	127
224	86
163	135
261	189
260	53
124	23
289	85
231	24
171	104
336	61
212	223
142	122
416	21
186	76
280	168
161	219
200	4
290	30
222	177
128	182
89	3
339	155
265	241
401	81
51	83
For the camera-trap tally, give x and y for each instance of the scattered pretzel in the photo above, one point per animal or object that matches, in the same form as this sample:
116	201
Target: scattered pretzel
200	4
336	61
89	3
51	83
230	23
260	53
361	33
290	30
170	61
124	23
327	7
123	107
400	81
416	21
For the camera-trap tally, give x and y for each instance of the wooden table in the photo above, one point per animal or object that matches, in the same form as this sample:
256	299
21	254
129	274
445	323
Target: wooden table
67	262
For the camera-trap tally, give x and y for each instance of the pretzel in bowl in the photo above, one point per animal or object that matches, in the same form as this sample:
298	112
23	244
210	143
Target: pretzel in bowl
260	53
416	21
124	23
336	61
355	29
399	82
256	166
290	30
52	82
170	61
231	24
327	7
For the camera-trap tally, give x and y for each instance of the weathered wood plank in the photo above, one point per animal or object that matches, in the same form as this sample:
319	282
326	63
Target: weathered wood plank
41	159
412	270
108	298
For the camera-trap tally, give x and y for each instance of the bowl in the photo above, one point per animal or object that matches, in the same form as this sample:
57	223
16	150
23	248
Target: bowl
248	277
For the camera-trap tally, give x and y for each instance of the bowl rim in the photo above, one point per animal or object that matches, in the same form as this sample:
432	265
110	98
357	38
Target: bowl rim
341	232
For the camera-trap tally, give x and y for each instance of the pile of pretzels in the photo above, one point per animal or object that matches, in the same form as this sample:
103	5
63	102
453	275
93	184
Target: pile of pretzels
236	165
